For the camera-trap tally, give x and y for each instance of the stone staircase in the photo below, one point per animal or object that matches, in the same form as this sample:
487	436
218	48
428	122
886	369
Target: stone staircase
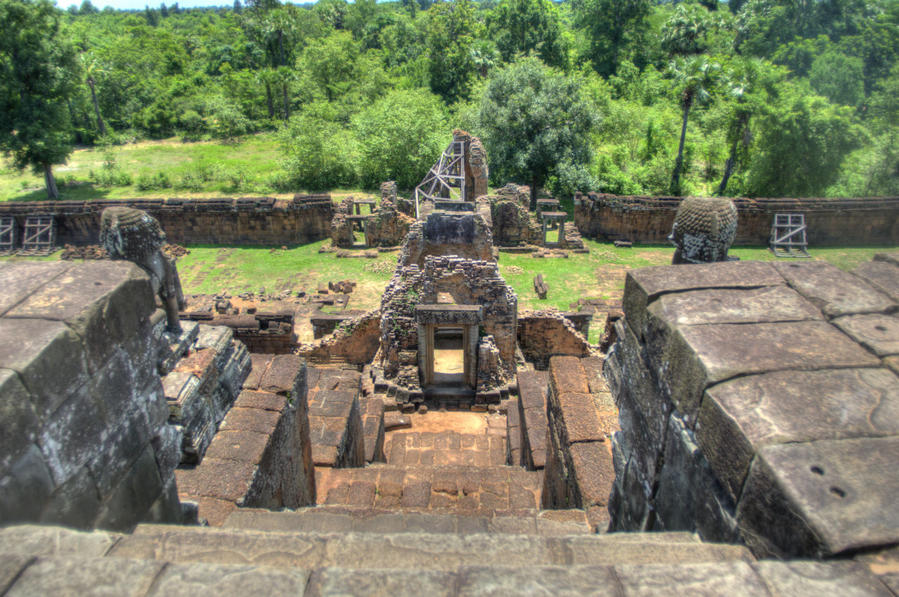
453	488
429	560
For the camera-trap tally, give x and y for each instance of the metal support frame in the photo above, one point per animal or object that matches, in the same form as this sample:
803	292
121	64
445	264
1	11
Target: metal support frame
445	179
39	234
7	233
788	236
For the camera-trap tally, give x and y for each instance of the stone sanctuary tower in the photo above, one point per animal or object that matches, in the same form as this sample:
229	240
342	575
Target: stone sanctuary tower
739	437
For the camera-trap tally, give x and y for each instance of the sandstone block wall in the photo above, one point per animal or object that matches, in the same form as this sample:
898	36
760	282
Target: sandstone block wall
581	418
203	385
863	221
240	221
760	402
83	434
260	456
543	334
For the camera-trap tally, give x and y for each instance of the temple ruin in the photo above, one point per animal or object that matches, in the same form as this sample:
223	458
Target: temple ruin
735	432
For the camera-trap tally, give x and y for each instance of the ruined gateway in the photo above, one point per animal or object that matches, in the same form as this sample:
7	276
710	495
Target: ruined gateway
739	437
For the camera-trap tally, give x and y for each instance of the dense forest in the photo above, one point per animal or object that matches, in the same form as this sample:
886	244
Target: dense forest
750	97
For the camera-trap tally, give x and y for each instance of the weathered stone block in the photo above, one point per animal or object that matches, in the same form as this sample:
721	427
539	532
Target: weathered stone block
188	580
720	578
26	487
19	280
882	275
103	302
135	493
740	416
593	471
79	576
222	479
579	418
567	375
821	498
282	375
48	357
71	436
19	425
75	503
703	355
819	578
688	496
261	400
644	285
877	333
725	305
832	290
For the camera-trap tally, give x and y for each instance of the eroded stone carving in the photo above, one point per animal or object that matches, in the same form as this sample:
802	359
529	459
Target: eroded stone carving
134	235
704	228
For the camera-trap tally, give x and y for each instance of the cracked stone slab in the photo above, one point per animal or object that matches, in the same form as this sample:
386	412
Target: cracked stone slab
19	280
878	333
740	416
882	275
834	291
812	579
386	583
720	578
822	498
751	305
702	355
223	581
644	285
81	576
889	257
34	540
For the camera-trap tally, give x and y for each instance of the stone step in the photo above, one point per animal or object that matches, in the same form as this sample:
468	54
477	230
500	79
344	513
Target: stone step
414	551
108	576
469	490
345	519
442	448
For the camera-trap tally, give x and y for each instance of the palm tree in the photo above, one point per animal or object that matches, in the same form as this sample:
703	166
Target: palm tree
91	67
695	79
746	89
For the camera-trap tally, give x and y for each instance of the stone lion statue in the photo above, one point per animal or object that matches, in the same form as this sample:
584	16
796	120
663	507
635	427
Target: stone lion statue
135	235
704	228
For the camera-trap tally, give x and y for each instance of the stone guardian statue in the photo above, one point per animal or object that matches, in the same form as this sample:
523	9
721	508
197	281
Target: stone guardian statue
135	235
704	228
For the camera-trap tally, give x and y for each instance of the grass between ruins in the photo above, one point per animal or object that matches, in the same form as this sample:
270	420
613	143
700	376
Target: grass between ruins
597	275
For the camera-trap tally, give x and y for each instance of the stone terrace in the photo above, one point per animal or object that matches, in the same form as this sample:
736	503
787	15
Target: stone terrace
760	402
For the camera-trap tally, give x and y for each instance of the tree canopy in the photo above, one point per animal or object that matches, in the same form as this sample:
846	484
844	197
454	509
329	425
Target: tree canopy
37	76
621	94
535	121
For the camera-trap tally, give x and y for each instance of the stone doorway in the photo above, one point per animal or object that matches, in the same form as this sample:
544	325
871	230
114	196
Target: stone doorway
553	224
448	334
358	231
449	355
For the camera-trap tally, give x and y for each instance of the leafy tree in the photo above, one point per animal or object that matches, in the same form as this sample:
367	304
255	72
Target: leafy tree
838	77
747	88
90	66
450	31
535	123
683	33
37	66
400	136
319	153
610	26
524	26
694	78
801	144
330	62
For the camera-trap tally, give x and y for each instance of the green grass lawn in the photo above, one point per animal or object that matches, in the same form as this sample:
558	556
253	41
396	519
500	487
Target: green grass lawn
213	269
599	274
189	169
